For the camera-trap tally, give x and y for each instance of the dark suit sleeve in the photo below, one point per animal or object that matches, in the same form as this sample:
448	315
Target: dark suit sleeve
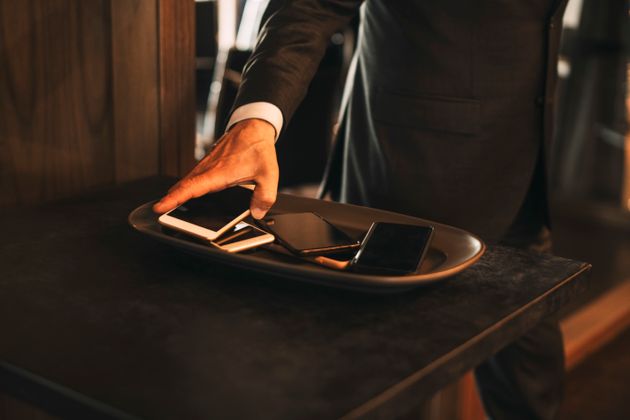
290	46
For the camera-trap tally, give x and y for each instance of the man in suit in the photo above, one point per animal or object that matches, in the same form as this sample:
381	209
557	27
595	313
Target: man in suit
446	116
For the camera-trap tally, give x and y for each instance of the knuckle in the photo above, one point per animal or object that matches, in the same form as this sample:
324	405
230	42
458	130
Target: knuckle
272	169
263	205
268	202
268	199
264	202
186	184
268	170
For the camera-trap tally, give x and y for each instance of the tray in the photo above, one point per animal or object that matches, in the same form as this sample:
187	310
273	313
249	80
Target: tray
452	250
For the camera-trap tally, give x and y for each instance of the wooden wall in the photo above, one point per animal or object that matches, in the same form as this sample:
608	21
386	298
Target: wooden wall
93	92
177	72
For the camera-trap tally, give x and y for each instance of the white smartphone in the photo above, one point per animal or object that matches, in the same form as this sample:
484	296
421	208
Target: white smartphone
209	216
243	237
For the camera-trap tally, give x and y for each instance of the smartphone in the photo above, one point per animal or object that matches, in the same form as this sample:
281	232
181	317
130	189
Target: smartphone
242	237
307	234
392	248
209	216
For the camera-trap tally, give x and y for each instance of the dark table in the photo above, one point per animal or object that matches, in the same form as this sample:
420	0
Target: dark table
98	321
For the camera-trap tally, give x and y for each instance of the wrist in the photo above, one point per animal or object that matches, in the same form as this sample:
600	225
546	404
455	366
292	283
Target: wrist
264	129
258	110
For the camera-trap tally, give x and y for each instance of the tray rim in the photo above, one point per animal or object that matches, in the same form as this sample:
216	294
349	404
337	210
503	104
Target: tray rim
309	272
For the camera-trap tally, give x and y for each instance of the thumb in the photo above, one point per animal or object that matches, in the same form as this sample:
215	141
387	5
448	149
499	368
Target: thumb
263	198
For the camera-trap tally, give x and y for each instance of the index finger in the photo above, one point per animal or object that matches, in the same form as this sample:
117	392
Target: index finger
192	187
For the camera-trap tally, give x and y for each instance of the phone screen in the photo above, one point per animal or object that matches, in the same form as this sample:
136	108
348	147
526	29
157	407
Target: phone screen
307	233
393	248
214	211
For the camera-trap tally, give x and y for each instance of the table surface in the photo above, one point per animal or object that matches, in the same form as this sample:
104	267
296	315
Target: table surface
100	321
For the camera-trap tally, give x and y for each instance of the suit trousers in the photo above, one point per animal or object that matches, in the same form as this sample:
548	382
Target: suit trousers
525	379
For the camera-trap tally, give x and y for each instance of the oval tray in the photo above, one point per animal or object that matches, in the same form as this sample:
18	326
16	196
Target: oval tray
451	251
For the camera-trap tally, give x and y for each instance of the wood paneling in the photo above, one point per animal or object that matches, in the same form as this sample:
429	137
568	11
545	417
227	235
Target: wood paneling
470	406
55	98
596	324
457	401
177	85
93	92
135	88
584	332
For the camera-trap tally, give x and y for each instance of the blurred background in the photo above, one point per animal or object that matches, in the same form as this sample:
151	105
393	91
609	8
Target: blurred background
100	92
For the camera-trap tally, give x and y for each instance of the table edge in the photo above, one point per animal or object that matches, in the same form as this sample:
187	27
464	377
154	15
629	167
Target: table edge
378	405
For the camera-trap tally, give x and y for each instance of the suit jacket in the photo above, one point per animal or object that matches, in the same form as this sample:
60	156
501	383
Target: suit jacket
448	103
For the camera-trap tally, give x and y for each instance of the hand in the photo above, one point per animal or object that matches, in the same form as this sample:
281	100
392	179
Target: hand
246	153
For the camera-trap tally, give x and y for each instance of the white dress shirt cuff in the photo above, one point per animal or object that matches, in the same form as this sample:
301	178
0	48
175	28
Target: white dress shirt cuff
261	110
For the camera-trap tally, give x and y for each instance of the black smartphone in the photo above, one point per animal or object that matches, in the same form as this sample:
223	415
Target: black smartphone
307	234
392	248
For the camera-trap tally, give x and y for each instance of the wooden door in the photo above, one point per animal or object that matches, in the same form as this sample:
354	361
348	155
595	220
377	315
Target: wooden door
93	92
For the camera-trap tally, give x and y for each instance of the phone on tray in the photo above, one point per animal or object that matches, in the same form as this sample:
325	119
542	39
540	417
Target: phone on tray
209	216
242	237
307	234
392	248
387	248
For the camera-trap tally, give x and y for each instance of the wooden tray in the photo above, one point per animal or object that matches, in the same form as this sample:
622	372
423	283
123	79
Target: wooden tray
452	250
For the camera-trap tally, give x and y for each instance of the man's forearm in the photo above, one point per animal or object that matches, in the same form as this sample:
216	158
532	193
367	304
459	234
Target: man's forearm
290	47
